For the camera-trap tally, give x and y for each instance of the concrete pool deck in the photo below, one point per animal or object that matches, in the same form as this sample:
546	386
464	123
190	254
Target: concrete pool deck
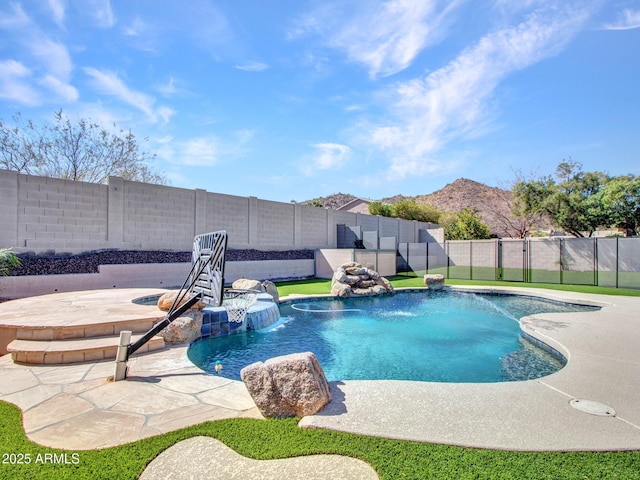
75	407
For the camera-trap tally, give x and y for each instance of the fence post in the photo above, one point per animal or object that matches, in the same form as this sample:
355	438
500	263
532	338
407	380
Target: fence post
617	259
446	249
426	258
595	261
526	260
561	266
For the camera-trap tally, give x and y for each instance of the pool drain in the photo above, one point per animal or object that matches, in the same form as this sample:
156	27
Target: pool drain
592	408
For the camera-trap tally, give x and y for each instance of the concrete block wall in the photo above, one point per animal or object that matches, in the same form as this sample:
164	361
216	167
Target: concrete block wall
230	213
275	224
158	217
55	214
42	214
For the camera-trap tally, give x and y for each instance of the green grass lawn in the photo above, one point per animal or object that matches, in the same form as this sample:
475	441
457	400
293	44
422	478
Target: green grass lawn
318	286
270	439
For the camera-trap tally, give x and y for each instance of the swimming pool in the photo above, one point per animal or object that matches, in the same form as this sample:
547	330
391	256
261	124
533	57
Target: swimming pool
424	336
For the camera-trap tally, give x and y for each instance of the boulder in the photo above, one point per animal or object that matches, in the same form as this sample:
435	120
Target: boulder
270	287
434	281
341	290
354	279
339	276
166	301
246	284
184	329
356	270
385	283
287	386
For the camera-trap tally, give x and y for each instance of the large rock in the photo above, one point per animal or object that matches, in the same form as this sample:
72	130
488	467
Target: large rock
354	279
269	287
341	290
434	281
247	284
287	386
166	301
184	329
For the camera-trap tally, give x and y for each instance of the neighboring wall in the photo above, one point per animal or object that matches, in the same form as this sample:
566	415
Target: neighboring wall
42	214
149	275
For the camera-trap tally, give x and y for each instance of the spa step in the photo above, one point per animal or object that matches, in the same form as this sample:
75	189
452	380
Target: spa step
39	352
88	330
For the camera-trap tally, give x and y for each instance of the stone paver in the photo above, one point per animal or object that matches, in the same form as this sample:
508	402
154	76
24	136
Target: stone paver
164	392
217	461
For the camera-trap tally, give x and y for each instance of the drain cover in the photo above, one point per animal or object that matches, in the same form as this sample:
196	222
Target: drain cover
592	408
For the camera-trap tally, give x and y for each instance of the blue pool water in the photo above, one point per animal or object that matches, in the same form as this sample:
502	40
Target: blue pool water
424	336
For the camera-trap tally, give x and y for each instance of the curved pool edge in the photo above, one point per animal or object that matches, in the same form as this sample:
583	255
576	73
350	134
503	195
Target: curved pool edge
533	415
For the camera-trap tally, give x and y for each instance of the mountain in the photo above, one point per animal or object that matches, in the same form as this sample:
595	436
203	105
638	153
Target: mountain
332	202
492	203
489	202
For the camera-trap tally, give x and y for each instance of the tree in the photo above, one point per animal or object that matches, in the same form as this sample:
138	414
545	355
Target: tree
465	224
570	199
81	150
621	199
506	218
379	208
407	210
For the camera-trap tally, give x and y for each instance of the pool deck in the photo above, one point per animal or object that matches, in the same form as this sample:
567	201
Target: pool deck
75	407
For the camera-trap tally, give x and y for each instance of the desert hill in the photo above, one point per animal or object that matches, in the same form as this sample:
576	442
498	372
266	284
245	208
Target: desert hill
492	203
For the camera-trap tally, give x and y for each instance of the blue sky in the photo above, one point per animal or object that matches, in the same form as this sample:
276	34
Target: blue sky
291	100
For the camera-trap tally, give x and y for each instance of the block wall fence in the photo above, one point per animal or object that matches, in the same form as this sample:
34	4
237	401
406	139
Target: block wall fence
41	214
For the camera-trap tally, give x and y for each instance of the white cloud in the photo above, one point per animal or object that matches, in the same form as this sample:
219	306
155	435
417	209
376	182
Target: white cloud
204	151
328	156
627	20
253	67
107	82
102	13
383	36
136	28
196	152
17	20
168	89
50	60
58	9
200	152
13	86
63	90
53	55
453	103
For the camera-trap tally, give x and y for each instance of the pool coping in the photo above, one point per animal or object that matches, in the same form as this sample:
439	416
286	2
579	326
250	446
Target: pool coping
532	415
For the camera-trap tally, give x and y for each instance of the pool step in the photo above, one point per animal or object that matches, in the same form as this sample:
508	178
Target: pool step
76	350
88	330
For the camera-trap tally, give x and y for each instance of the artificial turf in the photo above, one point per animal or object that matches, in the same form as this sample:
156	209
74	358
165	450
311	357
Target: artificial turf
271	439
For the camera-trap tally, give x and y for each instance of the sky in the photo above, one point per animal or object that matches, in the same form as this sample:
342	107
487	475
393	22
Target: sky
292	100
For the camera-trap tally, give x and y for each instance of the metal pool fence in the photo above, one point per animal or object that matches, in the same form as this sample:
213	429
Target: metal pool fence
607	262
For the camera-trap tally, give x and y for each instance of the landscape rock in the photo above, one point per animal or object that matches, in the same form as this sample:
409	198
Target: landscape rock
184	329
354	279
269	287
247	284
166	301
434	281
342	290
287	386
